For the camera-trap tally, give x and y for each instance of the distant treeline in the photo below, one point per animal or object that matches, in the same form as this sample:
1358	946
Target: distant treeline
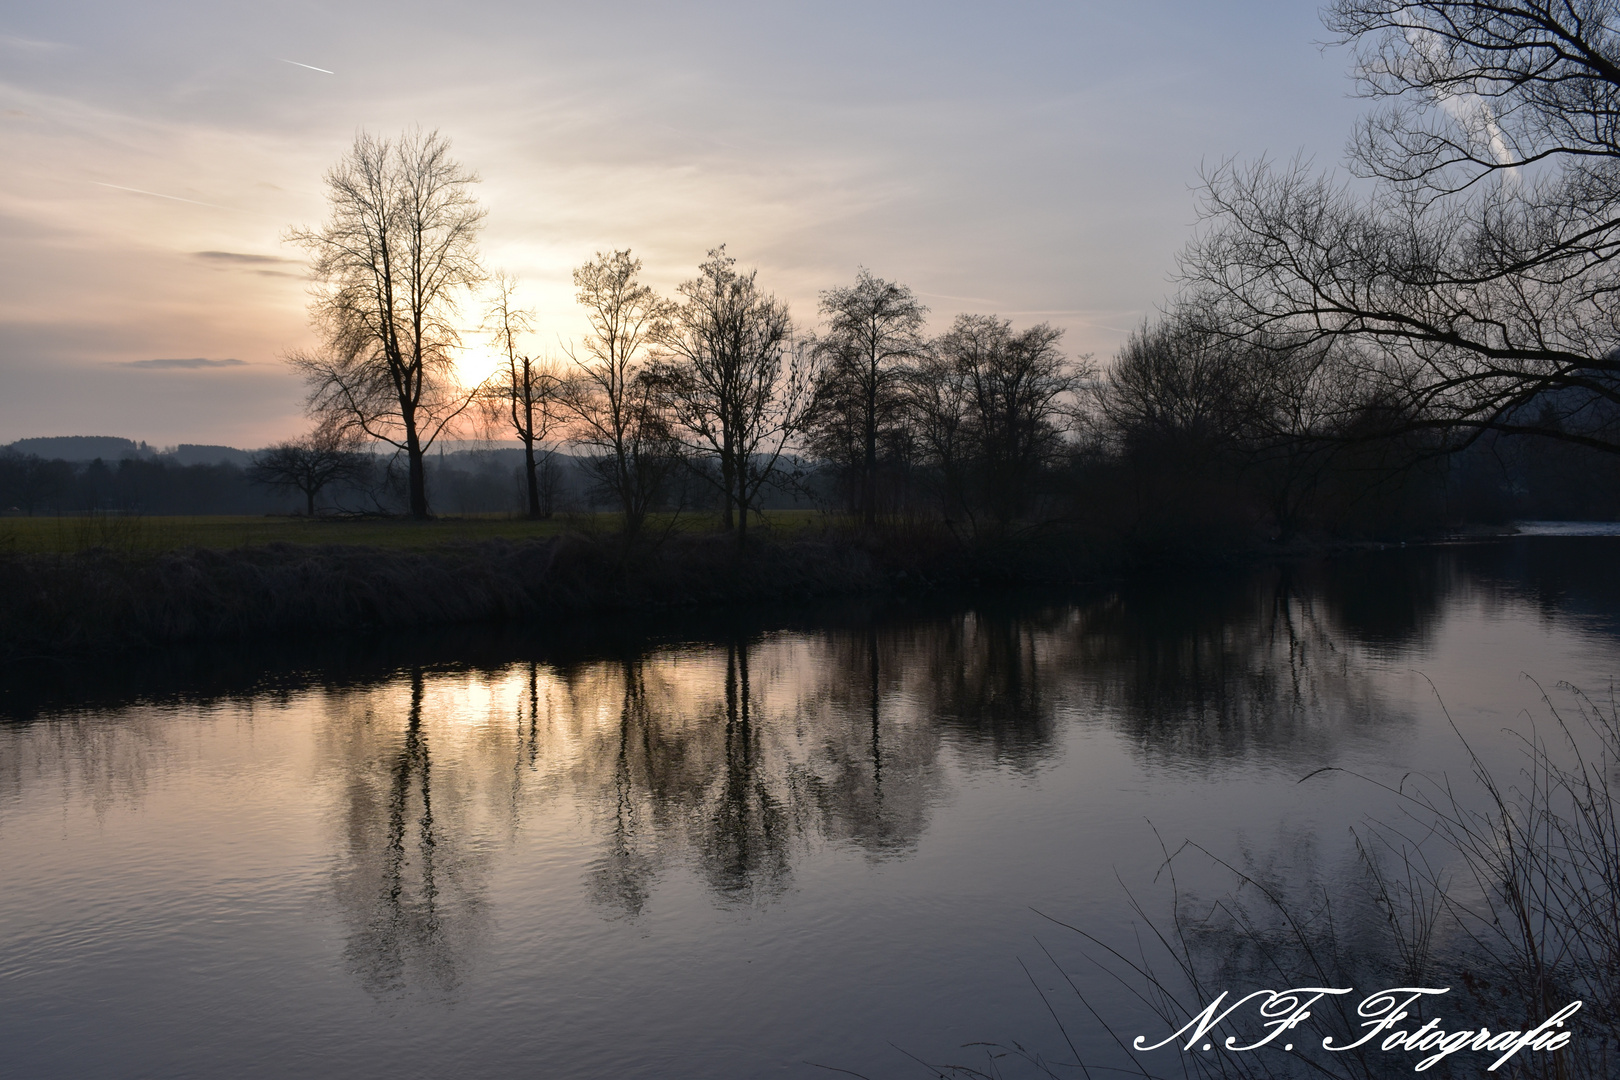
1198	432
461	482
1155	479
110	448
30	484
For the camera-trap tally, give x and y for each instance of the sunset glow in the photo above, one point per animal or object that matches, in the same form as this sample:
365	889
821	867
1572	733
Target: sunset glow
158	155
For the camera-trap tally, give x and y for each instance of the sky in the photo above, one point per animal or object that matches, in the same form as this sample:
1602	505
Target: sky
1038	161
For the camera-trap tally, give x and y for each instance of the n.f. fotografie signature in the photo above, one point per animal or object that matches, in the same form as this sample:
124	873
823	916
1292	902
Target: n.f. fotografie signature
1283	1010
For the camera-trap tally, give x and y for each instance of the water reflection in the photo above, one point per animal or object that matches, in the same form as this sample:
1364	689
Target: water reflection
745	832
723	755
409	884
727	761
1214	670
732	758
684	771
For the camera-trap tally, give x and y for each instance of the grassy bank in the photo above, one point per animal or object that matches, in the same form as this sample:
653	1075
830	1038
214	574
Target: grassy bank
89	601
128	533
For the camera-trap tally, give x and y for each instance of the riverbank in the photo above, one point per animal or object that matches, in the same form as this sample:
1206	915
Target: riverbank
98	600
62	605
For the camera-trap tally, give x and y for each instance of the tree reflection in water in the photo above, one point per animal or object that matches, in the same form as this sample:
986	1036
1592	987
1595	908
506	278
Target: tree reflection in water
624	876
744	843
409	890
728	759
1221	669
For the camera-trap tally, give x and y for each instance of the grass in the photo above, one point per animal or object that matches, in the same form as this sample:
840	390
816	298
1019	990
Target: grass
136	533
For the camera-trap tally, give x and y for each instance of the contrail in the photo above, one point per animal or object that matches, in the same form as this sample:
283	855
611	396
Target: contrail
311	67
159	195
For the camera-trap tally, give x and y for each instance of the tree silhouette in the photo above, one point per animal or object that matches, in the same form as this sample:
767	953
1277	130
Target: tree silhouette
392	264
873	329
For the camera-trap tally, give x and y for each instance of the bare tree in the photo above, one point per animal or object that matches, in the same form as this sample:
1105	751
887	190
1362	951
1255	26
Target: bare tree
391	265
1194	398
938	402
330	454
1181	381
609	399
1475	269
1018	388
873	328
734	381
523	394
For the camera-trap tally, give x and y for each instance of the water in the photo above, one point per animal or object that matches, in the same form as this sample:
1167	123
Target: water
729	847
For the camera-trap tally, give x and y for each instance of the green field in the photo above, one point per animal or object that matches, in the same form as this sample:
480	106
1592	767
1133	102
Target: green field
128	533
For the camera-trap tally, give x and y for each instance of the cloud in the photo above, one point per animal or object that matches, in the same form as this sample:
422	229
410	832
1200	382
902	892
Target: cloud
240	258
189	363
30	44
1461	101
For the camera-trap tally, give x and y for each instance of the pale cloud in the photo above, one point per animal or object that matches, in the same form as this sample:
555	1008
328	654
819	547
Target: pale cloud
31	45
238	258
1459	99
193	363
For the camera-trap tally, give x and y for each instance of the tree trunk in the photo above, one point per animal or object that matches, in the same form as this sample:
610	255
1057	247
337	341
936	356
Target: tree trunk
418	474
534	481
728	486
627	493
869	469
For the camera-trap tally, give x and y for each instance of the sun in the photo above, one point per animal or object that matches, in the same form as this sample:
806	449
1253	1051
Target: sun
476	362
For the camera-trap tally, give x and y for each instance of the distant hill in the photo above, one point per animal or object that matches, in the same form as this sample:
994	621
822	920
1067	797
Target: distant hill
82	447
196	454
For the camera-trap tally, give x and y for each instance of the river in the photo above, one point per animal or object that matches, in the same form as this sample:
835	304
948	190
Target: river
746	844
